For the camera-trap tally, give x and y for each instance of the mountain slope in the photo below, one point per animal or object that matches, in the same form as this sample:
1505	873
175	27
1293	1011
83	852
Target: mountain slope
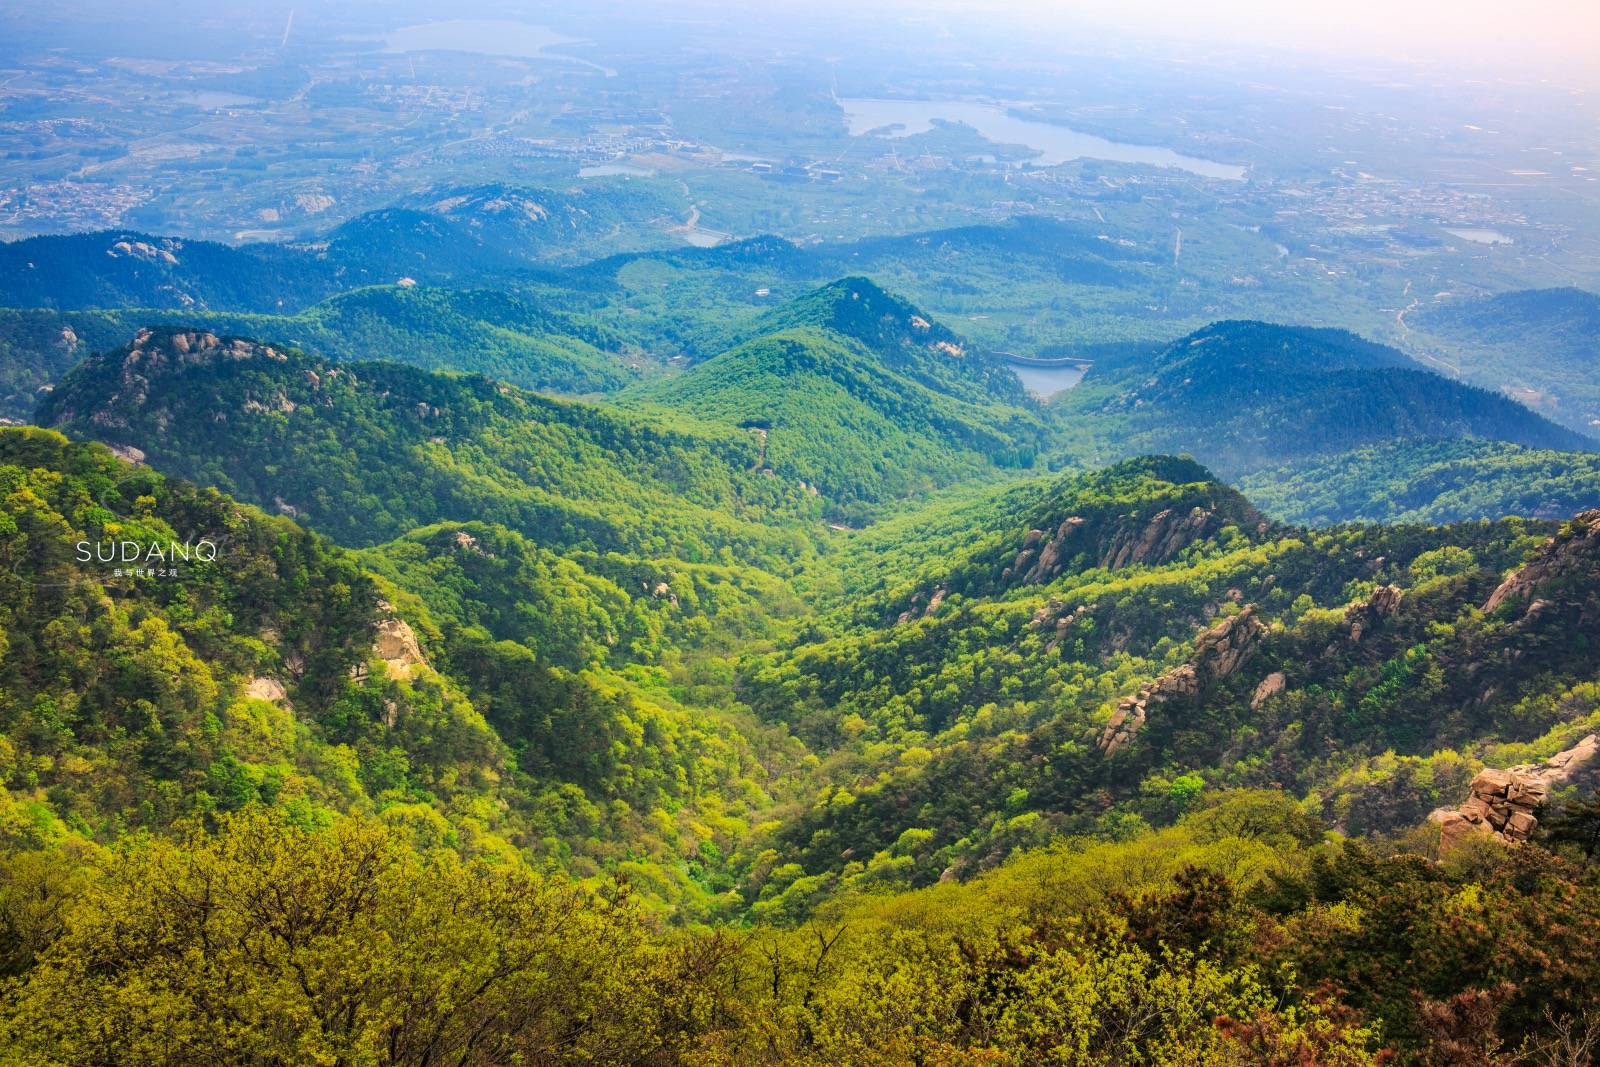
907	339
1367	670
475	331
1541	346
120	268
830	412
1431	481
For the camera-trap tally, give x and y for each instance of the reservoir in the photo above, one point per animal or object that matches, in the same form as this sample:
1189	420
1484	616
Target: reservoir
1055	144
1479	236
1046	382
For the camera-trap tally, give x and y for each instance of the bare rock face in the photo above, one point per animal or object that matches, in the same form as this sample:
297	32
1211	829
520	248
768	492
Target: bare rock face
269	689
1163	537
1218	653
1503	804
1272	685
395	643
1570	553
921	606
1363	615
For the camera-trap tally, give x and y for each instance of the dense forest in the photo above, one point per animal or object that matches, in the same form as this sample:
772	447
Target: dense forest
465	671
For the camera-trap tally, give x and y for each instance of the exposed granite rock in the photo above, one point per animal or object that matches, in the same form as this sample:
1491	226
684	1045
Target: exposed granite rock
1572	552
1163	537
1272	685
156	352
1363	615
269	689
1218	653
1044	554
922	606
1503	804
395	643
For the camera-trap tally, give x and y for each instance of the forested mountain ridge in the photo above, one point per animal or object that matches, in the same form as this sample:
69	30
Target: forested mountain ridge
468	330
367	451
907	339
121	268
1246	395
1365	669
1430	481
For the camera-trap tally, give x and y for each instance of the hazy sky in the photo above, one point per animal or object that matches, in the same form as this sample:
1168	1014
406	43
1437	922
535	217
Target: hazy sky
1515	34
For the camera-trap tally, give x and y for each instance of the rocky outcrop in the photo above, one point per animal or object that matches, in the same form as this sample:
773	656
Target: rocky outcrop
1503	805
269	689
1365	614
1053	616
1044	555
1218	654
1570	554
922	606
395	643
1272	685
153	353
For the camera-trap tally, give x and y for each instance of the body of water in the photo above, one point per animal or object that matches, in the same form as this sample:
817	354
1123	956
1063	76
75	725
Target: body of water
1046	382
1479	236
486	37
615	170
211	99
1055	144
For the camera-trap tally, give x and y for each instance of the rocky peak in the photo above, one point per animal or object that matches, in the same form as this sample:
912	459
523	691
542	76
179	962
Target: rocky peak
105	388
395	643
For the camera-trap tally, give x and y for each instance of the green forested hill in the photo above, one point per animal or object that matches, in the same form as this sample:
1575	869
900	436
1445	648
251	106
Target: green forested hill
907	339
1242	396
860	394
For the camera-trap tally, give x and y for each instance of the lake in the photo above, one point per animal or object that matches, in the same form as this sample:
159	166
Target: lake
1046	382
1055	144
1479	236
486	37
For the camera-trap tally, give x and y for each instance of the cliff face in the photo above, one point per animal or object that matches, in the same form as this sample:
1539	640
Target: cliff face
1218	653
